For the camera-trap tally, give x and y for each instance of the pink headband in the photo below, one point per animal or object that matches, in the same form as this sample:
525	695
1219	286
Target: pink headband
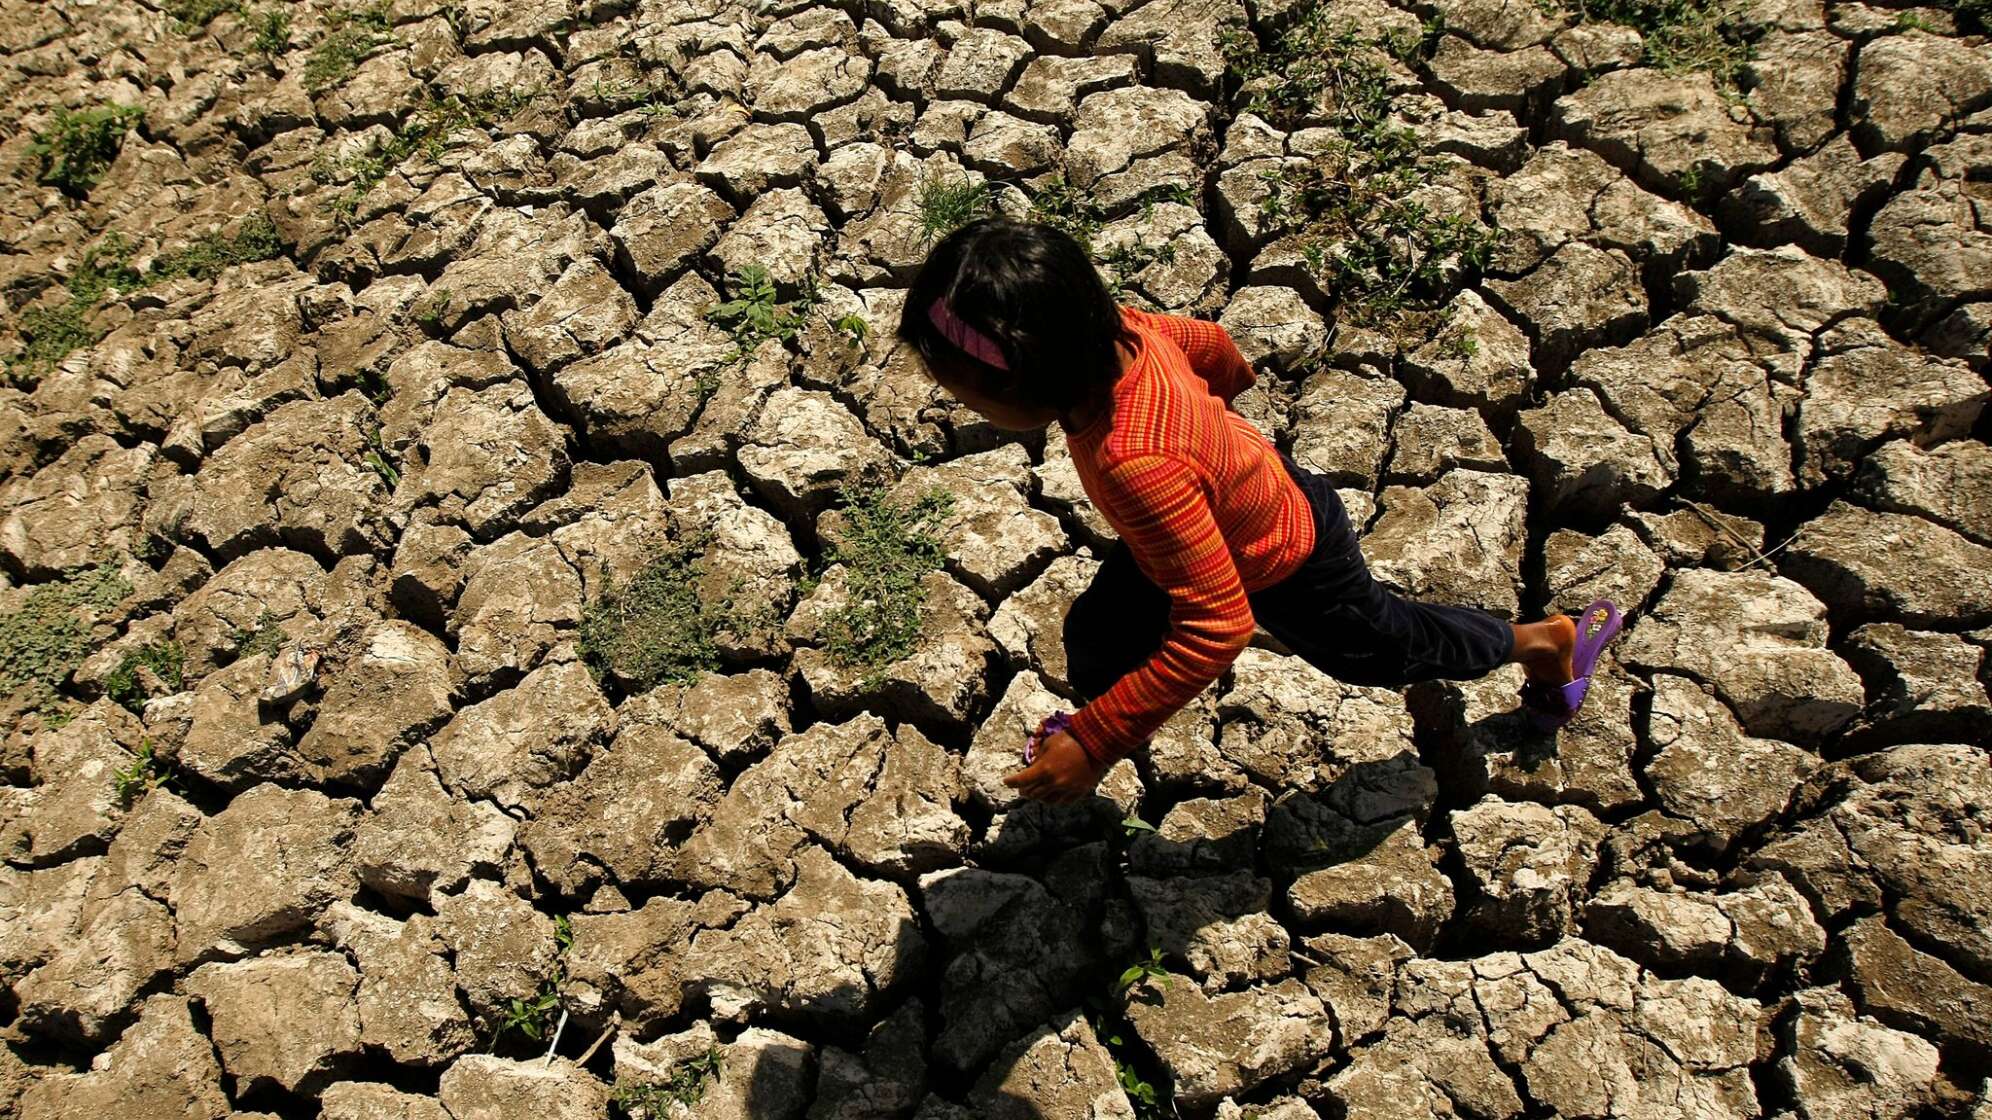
973	342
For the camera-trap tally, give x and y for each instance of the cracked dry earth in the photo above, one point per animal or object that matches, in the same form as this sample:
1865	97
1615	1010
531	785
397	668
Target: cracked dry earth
1728	368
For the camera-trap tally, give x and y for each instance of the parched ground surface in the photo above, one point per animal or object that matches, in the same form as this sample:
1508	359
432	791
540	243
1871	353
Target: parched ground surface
1724	362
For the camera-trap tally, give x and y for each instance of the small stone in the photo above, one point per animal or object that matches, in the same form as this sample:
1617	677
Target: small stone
758	159
1852	558
1950	485
1579	297
1531	865
1759	641
1457	541
1218	1045
1480	360
162	1066
1583	459
1429	440
980	64
486	1087
1843	1065
1058	1069
1614	565
287	1022
1867	389
1708	772
1393	888
1342	425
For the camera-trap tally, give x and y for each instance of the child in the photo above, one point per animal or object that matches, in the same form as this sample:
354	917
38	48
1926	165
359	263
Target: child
1218	528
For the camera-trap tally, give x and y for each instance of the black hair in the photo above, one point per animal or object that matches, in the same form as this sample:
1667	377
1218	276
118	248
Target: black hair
1032	289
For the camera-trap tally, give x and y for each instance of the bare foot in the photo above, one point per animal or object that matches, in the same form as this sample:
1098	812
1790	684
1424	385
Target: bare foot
1547	650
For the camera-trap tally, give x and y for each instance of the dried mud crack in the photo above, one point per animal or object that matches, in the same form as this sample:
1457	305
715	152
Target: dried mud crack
492	623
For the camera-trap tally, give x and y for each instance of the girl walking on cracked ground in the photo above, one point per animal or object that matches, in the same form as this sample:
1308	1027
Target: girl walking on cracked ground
1218	528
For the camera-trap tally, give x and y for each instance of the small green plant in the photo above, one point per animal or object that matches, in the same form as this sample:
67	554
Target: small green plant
267	637
856	328
428	130
53	331
1140	1093
190	16
1150	968
1460	344
79	144
886	548
659	627
948	206
255	240
373	386
1689	182
145	772
1678	35
430	311
1058	205
272	26
1126	260
1131	825
350	37
44	638
755	314
534	1017
1356	212
651	99
685	1085
1143	1095
377	459
164	660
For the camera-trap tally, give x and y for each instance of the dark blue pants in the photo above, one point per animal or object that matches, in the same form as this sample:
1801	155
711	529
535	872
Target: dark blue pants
1330	612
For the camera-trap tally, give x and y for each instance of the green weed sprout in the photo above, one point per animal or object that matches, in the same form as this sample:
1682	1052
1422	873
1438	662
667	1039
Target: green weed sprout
78	145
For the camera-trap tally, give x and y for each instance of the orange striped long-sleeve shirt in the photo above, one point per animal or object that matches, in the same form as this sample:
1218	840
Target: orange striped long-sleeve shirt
1206	508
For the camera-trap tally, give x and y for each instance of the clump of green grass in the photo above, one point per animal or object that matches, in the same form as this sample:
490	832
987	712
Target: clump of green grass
428	130
78	145
1679	35
660	627
685	1085
266	637
272	26
255	240
192	15
53	331
49	634
1360	224
146	772
886	547
164	660
1059	205
947	206
652	99
349	38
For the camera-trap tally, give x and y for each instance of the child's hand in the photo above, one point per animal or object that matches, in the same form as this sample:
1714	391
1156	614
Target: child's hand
1062	773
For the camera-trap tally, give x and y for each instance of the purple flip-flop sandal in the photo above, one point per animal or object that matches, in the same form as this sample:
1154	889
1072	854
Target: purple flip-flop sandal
1052	725
1550	707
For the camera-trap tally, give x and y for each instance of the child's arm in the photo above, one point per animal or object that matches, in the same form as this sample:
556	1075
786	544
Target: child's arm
1211	351
1157	502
